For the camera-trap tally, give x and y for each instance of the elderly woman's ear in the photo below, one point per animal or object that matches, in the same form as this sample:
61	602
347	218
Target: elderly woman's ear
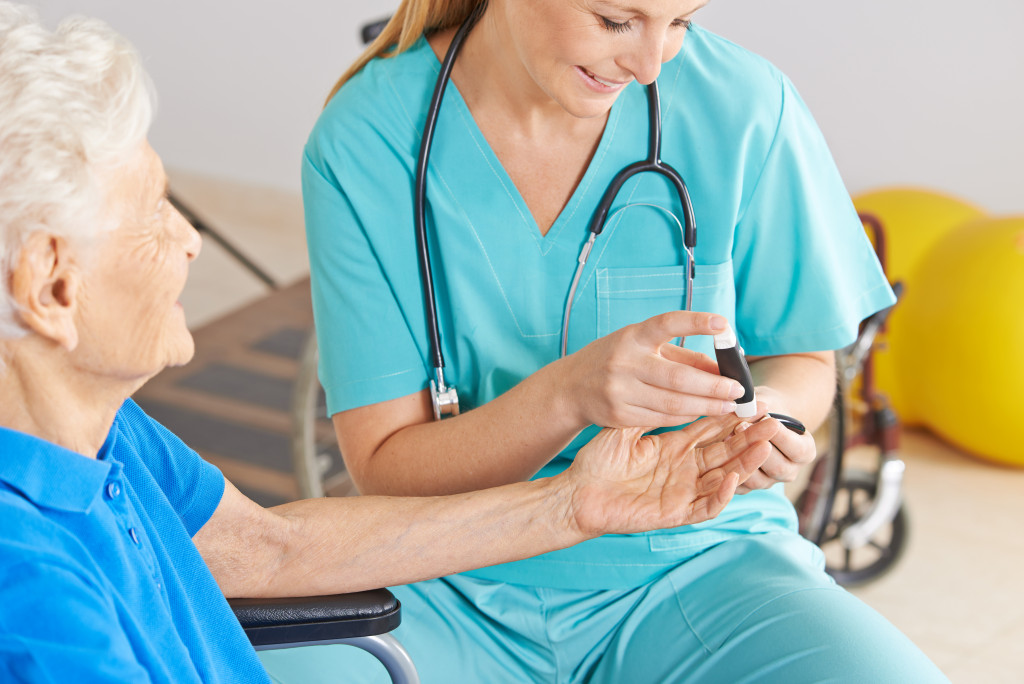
45	288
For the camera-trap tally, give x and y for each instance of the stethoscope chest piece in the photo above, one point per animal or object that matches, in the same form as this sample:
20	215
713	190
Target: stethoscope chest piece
445	401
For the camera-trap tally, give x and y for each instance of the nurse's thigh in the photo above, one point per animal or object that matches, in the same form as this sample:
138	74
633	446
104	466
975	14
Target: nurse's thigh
817	635
758	609
455	629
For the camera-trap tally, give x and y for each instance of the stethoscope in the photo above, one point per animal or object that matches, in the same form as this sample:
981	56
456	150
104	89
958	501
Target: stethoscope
444	397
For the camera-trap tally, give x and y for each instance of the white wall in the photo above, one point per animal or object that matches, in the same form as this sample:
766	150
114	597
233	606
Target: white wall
240	83
906	91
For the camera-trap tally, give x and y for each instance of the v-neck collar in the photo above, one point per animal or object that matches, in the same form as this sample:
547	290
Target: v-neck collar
577	201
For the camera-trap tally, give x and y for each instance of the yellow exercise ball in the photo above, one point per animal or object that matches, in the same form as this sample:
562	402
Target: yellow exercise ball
913	220
969	324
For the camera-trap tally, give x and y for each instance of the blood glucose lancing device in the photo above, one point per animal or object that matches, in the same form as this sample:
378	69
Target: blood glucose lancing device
732	364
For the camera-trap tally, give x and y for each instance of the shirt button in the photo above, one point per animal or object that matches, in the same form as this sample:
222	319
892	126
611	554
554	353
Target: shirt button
113	490
134	535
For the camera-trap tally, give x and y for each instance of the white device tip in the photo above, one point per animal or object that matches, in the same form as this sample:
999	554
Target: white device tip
725	339
747	409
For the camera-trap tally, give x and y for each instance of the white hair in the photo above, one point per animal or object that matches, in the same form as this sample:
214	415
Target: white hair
73	102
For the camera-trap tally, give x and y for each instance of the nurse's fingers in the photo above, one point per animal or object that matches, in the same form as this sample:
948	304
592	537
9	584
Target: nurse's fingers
677	354
668	408
755	481
790	453
657	330
702	380
778	468
798	448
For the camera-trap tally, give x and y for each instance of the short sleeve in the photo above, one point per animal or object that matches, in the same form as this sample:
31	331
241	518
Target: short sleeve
806	274
192	485
367	352
57	626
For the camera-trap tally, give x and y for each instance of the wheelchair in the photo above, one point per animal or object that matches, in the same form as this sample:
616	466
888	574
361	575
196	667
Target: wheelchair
362	619
852	504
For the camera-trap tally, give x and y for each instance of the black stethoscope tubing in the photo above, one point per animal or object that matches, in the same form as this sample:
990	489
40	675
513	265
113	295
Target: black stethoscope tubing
444	397
654	164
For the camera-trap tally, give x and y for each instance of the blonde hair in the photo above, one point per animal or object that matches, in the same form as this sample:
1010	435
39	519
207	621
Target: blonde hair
412	19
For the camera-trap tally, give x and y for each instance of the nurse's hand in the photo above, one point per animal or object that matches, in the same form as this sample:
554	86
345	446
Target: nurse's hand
624	482
789	455
636	376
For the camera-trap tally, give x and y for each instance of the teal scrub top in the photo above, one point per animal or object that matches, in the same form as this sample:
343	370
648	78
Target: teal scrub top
780	252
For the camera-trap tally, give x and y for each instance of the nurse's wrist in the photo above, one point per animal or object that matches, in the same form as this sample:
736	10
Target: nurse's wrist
565	408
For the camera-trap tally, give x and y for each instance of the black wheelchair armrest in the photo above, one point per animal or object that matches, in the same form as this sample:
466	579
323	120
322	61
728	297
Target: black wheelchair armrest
283	621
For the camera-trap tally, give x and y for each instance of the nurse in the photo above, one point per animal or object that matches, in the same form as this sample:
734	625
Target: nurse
546	104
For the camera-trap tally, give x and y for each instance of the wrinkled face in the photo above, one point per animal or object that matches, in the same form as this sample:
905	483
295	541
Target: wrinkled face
130	323
582	53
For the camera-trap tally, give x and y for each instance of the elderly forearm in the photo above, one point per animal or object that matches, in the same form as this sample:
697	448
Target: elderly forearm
350	544
801	385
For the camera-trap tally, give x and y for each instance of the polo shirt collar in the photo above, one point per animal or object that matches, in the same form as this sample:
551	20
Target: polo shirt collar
52	476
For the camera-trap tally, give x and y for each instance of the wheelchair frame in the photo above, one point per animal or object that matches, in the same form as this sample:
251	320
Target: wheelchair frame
857	516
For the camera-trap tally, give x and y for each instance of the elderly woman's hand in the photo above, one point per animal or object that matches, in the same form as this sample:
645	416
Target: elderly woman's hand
625	482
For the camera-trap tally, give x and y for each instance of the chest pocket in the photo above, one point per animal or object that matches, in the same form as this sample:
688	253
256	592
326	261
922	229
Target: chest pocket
630	295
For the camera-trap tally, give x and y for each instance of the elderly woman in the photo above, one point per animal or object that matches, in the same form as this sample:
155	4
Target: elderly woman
118	542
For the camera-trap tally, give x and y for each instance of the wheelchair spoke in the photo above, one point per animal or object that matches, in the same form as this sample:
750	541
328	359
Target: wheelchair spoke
853	566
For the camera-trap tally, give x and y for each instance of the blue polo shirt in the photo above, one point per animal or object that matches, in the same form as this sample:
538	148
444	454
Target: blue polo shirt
99	578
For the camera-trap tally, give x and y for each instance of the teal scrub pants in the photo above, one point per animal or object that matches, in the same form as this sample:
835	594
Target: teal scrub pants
758	608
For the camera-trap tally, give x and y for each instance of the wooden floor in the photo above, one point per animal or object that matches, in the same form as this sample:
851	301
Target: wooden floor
232	403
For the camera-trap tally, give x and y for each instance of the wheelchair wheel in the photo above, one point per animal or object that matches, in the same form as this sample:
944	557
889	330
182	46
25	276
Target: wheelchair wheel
319	467
851	567
815	499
